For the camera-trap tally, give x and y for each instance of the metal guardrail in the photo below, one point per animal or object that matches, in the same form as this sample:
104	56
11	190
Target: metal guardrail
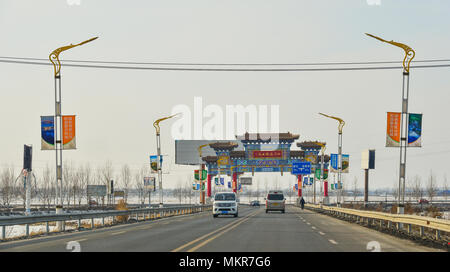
410	220
145	213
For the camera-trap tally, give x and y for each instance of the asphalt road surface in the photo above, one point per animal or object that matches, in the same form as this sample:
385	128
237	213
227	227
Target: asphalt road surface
253	231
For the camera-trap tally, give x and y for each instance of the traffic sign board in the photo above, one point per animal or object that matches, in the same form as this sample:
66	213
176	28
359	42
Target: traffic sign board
301	168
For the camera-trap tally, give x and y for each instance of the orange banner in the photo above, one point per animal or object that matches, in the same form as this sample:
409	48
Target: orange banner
393	129
68	126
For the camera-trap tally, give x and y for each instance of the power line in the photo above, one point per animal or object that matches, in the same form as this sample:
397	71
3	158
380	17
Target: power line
229	64
228	69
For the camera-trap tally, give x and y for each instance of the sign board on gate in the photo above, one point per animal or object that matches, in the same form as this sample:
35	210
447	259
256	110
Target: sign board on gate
301	168
96	190
246	180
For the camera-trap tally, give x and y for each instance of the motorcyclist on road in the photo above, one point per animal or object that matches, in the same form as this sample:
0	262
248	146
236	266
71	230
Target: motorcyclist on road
302	203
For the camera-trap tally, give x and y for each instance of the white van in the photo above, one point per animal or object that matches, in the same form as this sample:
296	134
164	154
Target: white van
225	203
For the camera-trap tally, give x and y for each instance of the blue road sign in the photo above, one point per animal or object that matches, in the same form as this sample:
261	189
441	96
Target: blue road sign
301	168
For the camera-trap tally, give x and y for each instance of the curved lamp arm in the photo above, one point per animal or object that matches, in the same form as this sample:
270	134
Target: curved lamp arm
323	147
200	149
54	56
409	52
341	122
156	123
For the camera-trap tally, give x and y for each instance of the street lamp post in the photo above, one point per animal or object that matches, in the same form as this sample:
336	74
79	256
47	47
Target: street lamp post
409	55
340	126
54	58
325	184
159	159
200	174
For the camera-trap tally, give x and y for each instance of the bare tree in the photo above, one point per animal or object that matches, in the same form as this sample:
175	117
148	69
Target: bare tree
355	190
47	188
445	188
68	181
417	190
107	173
88	179
126	180
139	184
7	185
395	190
178	192
431	186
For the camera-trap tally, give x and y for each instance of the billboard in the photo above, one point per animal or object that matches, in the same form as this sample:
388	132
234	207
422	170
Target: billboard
68	134
186	151
414	130
393	129
368	159
47	132
96	190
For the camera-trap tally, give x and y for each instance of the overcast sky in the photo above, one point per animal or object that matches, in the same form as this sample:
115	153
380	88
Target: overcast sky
116	108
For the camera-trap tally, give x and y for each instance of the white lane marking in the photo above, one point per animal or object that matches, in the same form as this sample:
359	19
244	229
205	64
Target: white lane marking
321	233
81	240
313	227
119	232
333	242
308	223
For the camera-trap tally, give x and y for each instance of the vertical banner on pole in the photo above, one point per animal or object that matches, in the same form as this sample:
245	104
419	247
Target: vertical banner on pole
47	132
68	126
334	163
393	129
154	163
414	130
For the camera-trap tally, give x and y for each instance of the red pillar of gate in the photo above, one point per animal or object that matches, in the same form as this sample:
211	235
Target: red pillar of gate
325	188
234	182
209	185
299	181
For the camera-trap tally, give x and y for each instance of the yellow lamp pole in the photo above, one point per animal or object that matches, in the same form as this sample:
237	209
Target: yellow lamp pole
159	159
409	55
54	58
325	195
200	174
340	127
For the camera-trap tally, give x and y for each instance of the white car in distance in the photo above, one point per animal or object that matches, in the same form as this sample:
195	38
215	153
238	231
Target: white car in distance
225	204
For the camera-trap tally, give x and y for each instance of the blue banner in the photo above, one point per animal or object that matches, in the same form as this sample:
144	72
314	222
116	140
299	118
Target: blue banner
414	129
47	132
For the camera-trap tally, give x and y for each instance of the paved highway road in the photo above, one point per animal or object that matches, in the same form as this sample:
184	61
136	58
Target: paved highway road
254	231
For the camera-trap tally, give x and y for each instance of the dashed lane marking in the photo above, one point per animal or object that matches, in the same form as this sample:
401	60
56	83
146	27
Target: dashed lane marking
333	242
119	232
